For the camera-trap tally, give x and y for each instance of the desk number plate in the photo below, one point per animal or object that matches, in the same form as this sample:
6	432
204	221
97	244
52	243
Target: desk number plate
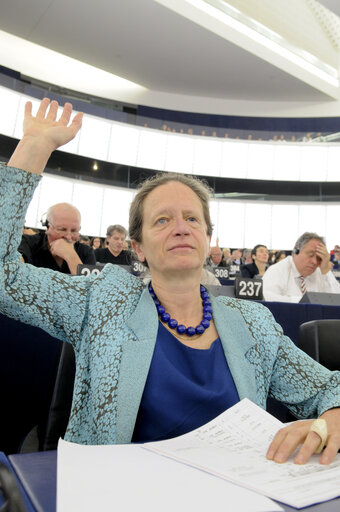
246	288
135	268
221	272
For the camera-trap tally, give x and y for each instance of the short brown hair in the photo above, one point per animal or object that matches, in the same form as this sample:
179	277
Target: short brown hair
116	227
199	187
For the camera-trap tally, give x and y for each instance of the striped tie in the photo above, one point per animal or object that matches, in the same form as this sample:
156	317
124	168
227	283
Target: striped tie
303	285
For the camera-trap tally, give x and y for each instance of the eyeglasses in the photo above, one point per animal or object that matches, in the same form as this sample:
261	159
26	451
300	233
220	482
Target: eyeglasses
65	231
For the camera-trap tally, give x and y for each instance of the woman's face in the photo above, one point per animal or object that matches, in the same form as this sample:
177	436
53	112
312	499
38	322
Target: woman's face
174	234
96	243
262	254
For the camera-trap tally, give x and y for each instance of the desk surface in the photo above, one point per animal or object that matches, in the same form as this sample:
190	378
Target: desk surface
27	502
37	474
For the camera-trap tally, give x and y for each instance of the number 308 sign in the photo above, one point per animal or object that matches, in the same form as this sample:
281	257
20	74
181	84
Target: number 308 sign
247	288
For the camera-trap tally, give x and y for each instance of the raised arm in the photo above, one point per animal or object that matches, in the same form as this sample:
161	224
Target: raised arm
42	297
43	134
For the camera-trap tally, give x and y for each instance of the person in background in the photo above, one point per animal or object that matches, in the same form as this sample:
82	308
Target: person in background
127	245
96	243
247	256
58	247
216	258
260	257
307	270
114	252
154	362
226	255
279	255
335	257
235	263
83	239
236	256
272	256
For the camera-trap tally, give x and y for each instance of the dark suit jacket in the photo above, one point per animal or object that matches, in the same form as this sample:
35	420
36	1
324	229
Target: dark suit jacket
249	270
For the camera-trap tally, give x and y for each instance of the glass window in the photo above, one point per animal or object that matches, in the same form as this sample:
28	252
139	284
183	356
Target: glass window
214	215
115	208
333	163
234	159
9	108
88	198
313	163
207	157
54	190
32	218
152	150
94	138
312	218
231	218
285	229
332	233
257	224
286	162
124	142
260	161
179	153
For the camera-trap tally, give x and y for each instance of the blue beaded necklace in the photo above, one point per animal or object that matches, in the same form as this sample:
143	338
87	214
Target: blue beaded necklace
181	329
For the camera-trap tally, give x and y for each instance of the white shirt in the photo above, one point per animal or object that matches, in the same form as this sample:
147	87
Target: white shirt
282	283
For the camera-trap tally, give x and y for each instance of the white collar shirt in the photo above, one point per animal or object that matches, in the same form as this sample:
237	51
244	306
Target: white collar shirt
282	283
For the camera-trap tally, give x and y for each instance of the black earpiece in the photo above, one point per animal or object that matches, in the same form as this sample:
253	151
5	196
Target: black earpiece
296	251
44	222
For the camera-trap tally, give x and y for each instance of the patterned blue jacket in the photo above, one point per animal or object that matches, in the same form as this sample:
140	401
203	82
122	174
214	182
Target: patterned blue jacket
112	323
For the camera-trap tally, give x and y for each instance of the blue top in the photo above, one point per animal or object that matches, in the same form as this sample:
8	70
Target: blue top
185	388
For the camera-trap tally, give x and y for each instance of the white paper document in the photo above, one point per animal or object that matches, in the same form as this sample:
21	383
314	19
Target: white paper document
124	478
233	446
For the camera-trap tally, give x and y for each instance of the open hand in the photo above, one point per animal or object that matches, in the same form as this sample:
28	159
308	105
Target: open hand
43	134
55	133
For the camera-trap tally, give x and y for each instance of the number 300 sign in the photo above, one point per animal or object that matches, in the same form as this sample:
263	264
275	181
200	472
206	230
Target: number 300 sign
246	288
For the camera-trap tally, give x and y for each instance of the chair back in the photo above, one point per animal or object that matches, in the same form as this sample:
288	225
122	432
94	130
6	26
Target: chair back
53	422
61	401
320	339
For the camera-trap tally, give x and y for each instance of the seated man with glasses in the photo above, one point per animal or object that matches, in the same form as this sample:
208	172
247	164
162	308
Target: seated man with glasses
58	247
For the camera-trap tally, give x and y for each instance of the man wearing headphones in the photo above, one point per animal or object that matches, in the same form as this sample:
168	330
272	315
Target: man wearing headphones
58	247
308	269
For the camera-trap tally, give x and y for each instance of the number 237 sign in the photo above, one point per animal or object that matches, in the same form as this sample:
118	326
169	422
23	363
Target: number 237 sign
246	288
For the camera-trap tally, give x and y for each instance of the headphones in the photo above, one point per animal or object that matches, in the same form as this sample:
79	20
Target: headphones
296	251
43	221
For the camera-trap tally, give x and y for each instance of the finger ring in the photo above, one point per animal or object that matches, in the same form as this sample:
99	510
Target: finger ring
319	426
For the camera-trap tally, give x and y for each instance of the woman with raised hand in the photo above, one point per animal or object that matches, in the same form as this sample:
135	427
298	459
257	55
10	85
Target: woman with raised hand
156	361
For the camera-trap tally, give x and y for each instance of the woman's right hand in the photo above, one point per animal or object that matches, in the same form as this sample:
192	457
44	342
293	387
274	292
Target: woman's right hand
54	132
43	134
